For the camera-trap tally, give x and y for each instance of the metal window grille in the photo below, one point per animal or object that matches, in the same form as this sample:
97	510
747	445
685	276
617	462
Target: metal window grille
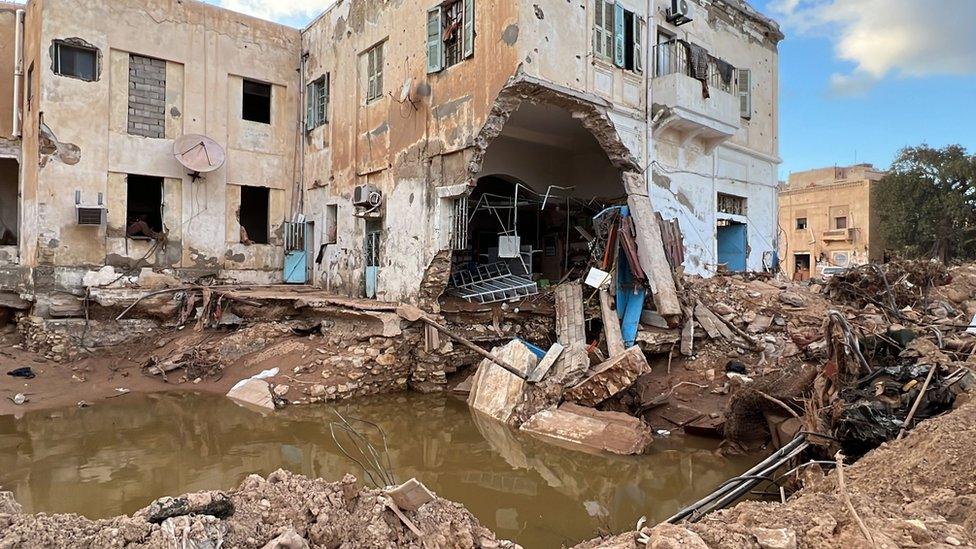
459	230
373	248
731	204
295	236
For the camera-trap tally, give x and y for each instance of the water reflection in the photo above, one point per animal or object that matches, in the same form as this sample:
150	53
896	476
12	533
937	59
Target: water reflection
117	456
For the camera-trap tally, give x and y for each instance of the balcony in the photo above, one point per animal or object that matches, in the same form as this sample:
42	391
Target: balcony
839	235
713	119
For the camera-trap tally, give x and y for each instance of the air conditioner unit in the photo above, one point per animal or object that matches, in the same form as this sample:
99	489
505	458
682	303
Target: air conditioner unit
367	196
681	12
89	216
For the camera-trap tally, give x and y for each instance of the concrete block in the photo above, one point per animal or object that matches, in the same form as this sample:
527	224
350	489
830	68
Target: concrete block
610	378
585	429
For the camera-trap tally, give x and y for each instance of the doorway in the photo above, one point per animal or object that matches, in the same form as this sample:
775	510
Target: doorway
9	203
732	245
801	267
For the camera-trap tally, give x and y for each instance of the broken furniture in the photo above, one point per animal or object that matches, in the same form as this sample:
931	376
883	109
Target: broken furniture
491	283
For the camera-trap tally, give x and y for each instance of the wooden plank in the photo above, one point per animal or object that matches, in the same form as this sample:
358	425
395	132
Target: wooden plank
611	326
650	247
706	321
717	322
540	371
688	335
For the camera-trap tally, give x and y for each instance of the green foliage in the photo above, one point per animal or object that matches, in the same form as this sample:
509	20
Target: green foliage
926	204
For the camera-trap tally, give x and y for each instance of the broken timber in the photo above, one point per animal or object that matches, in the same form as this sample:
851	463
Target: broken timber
611	326
540	371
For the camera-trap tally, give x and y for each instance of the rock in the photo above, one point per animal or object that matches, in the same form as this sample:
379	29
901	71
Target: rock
386	359
722	309
581	428
792	299
151	280
759	324
287	540
670	536
779	538
102	277
610	378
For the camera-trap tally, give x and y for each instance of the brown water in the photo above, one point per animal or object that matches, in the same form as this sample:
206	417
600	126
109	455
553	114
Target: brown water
119	455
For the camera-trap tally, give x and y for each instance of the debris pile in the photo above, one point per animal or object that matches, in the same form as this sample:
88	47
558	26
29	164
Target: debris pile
283	511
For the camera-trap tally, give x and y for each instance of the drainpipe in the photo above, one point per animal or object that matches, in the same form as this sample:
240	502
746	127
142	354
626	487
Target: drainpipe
18	70
648	75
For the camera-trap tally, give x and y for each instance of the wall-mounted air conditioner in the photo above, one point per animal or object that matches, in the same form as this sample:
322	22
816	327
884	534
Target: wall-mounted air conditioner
89	216
681	12
367	196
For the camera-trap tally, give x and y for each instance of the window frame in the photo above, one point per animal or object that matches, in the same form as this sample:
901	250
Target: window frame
56	63
317	96
436	50
604	29
270	96
805	221
374	59
744	91
253	236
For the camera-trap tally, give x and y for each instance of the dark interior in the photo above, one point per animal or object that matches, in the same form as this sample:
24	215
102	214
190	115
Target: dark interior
254	213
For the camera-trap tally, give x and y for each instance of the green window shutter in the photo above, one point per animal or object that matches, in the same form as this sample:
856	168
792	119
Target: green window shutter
468	28
597	26
619	55
745	93
325	99
435	42
638	45
310	106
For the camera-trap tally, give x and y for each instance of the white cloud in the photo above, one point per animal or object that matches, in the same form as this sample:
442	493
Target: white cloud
277	10
905	38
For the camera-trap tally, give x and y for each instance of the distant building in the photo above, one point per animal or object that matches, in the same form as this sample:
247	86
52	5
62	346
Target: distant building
826	220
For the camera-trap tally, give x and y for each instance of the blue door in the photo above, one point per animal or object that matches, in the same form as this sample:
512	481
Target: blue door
732	246
296	253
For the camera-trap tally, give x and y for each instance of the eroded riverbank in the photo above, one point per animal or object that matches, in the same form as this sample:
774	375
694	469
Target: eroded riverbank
118	456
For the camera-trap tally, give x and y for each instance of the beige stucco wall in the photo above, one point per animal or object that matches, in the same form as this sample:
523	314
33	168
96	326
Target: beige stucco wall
7	49
811	195
689	173
207	52
407	149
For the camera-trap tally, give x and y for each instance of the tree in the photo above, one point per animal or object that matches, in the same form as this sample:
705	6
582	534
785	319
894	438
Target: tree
926	204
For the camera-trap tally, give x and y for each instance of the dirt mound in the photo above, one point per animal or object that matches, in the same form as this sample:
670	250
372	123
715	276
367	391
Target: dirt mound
916	492
284	511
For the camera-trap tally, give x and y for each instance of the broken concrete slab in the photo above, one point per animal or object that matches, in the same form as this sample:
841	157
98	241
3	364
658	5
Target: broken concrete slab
411	495
580	428
655	340
610	378
759	324
495	391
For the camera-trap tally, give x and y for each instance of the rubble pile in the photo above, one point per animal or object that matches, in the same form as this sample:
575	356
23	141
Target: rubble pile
284	511
892	286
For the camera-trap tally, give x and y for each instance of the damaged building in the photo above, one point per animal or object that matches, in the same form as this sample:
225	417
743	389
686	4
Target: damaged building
389	150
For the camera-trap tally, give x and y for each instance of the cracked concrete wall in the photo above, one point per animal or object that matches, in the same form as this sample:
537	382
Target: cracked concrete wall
689	174
407	149
208	51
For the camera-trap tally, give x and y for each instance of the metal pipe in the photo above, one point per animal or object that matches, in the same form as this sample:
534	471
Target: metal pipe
15	126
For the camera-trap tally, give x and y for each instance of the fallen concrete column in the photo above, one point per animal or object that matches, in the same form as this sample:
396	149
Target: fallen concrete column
610	378
586	429
495	391
570	333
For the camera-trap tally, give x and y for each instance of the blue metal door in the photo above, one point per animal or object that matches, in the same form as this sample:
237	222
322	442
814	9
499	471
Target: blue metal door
296	253
732	246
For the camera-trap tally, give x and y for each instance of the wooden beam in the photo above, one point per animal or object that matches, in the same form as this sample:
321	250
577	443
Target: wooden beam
611	326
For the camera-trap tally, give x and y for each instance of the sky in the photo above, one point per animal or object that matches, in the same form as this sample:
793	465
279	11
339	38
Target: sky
859	79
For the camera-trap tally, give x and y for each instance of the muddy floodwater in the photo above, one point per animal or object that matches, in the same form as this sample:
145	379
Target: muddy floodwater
118	455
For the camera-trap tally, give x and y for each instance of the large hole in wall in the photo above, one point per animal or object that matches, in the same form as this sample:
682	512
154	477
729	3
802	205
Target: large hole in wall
543	180
143	206
254	215
9	203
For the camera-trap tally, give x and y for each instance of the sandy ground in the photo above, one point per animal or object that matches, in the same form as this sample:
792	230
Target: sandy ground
98	377
916	492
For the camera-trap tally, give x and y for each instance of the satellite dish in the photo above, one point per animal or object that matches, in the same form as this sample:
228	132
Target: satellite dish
199	154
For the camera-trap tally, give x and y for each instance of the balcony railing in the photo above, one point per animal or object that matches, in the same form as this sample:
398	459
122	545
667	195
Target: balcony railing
672	57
